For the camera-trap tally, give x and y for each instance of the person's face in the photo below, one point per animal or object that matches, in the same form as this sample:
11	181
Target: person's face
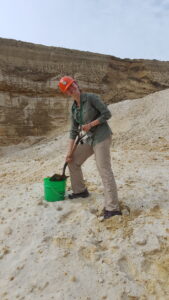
72	90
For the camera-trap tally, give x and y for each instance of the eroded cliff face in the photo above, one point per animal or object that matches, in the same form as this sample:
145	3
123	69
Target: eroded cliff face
30	102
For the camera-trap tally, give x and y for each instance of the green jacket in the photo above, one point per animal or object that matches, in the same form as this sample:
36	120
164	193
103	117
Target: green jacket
91	108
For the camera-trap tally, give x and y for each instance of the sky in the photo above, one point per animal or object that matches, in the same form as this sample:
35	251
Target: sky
122	28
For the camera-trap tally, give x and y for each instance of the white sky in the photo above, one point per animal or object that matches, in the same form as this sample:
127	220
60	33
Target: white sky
123	28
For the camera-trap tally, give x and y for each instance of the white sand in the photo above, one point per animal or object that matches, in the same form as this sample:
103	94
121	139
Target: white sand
62	250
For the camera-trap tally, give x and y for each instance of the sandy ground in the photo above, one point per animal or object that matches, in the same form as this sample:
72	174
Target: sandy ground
63	250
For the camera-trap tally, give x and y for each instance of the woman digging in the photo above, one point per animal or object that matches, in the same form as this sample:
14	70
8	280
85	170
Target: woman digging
91	114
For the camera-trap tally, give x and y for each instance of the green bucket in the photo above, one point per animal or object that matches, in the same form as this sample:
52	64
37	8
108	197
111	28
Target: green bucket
54	190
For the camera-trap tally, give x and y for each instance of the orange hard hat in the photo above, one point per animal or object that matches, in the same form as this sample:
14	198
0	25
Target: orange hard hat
65	82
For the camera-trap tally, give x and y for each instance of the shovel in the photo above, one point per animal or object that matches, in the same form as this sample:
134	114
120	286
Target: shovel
57	177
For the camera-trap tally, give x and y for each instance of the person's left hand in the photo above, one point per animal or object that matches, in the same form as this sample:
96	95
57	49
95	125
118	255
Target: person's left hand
86	127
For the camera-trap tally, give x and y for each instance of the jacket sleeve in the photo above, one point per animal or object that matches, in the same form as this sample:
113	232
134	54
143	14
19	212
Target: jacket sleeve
73	129
105	113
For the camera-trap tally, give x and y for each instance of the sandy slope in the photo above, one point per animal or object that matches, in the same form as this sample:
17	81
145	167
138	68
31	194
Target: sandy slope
62	250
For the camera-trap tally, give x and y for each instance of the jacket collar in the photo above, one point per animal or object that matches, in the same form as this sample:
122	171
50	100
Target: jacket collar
82	99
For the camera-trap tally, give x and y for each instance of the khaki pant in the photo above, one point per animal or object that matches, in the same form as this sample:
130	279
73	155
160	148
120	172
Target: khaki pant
103	162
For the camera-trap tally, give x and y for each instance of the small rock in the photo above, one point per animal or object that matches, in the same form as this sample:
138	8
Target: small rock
125	212
66	253
100	218
93	210
5	250
8	231
73	279
97	257
59	208
20	267
11	278
107	260
40	251
101	280
141	240
40	202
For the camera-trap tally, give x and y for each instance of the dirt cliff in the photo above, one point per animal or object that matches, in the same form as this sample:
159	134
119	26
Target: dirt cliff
30	102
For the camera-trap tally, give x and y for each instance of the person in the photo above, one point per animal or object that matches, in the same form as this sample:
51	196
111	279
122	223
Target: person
91	114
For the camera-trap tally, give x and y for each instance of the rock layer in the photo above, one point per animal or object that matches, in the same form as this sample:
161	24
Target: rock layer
30	103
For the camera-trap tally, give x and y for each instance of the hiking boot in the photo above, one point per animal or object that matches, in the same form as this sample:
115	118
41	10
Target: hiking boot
83	194
108	214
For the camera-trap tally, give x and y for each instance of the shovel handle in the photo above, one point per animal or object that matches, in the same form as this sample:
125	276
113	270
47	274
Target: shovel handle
64	168
73	149
77	141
